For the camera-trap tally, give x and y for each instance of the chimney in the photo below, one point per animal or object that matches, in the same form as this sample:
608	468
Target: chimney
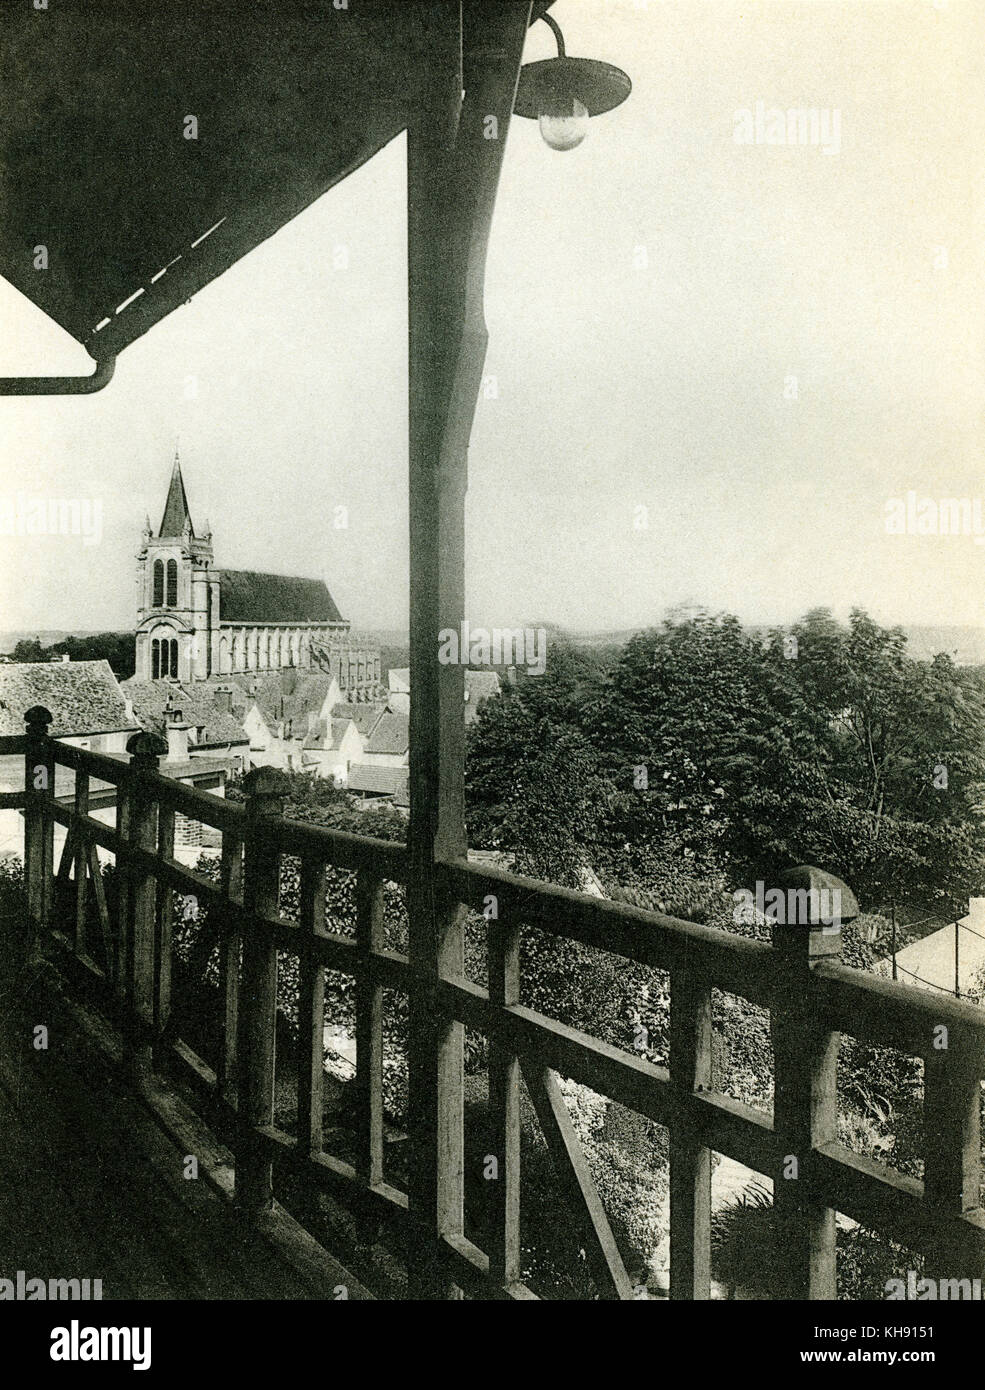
66	657
224	699
177	735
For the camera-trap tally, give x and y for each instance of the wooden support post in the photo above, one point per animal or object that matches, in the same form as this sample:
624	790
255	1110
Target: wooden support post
453	171
805	1104
504	1107
39	854
144	749
952	1170
369	1029
258	992
690	1161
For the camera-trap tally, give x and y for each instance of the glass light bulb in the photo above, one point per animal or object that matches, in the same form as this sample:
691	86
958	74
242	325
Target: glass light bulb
564	123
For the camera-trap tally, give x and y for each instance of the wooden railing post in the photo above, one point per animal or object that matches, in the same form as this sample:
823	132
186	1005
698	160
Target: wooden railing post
805	1098
258	989
144	749
952	1170
39	827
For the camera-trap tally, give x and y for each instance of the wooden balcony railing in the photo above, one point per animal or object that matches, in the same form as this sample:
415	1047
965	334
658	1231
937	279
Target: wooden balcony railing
812	998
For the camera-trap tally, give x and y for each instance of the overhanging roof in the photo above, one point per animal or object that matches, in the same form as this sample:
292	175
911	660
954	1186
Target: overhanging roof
95	166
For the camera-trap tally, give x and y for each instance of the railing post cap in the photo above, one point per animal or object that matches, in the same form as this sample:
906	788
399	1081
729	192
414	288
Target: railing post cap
145	746
817	904
37	717
265	782
808	878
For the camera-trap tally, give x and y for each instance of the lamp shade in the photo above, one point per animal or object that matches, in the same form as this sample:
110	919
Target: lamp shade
597	86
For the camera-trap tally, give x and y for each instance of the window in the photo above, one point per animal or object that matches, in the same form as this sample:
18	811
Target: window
172	584
158	583
164	658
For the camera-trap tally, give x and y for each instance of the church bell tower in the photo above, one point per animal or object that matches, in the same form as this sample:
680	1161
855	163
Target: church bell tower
177	595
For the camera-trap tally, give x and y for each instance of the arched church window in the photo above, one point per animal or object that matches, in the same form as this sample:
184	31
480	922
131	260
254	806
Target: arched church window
172	584
155	657
173	645
158	583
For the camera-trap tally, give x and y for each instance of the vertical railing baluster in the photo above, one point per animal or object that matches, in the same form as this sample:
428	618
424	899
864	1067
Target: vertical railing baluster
805	1099
39	849
164	933
125	793
690	1160
503	939
258	991
952	1171
369	1028
231	880
81	858
311	1007
145	749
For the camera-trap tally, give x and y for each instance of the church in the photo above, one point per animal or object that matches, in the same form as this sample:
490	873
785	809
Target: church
196	622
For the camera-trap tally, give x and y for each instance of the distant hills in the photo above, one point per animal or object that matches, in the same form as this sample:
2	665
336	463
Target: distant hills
966	644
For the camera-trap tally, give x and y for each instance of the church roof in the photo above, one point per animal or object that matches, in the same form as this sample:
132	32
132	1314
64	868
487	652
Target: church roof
248	596
176	514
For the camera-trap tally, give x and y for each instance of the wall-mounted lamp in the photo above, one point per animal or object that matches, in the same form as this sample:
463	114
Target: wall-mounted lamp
562	93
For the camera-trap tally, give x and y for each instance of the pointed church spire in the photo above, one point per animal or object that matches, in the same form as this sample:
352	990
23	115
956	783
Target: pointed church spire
176	514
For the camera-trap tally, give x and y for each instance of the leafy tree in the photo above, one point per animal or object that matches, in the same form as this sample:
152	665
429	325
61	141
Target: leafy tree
115	647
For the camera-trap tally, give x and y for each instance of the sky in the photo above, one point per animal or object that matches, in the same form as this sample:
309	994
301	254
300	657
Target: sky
714	363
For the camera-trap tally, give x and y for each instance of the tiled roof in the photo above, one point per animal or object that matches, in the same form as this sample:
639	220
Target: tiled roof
197	705
250	596
84	697
316	737
238	697
327	733
391	735
365	717
309	694
381	781
339	727
287	695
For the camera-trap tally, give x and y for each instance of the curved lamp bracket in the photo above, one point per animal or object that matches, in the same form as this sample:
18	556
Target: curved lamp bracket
59	385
